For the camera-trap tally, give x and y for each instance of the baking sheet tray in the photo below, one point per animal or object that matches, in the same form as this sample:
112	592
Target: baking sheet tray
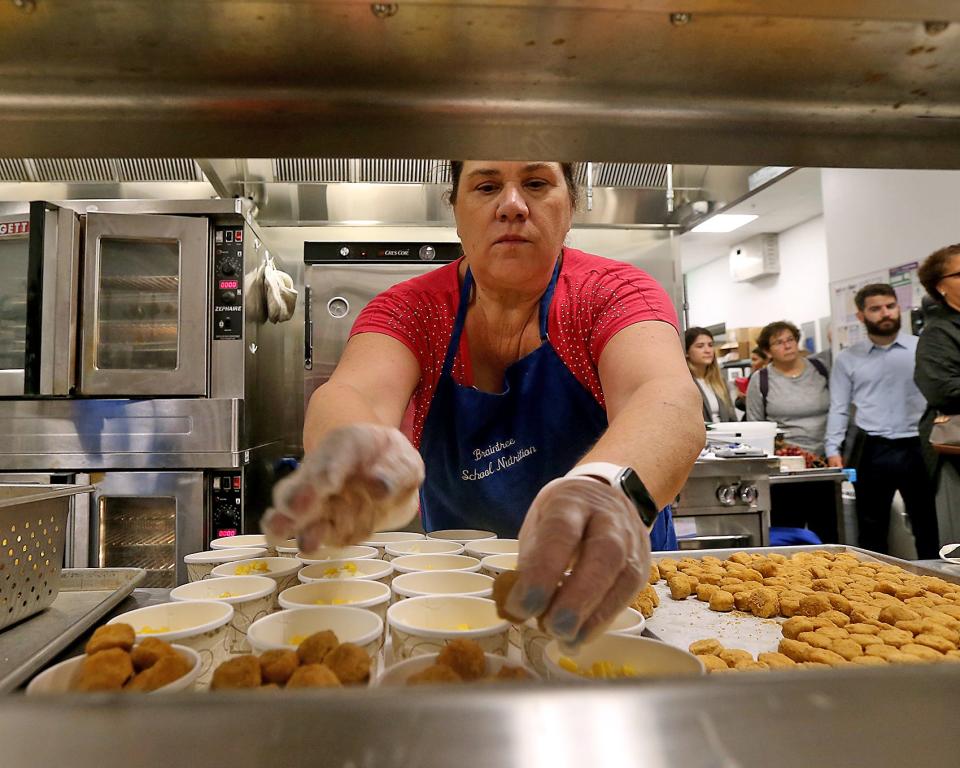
680	622
86	595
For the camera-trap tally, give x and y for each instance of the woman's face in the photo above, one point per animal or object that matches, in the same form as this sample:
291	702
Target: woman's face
512	218
756	361
784	347
949	286
701	351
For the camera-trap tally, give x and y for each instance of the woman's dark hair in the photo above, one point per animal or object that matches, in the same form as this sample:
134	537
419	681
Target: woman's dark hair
692	334
874	289
772	329
569	175
759	353
933	268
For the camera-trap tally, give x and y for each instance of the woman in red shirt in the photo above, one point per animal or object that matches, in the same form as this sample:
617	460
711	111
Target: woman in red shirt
550	397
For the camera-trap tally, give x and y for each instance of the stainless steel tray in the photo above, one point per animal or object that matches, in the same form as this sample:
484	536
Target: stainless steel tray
680	622
86	595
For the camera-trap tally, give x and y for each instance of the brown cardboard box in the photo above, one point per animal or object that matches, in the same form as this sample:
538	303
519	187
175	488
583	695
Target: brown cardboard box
748	335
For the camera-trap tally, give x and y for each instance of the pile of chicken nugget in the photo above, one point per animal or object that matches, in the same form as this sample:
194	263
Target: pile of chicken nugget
841	611
320	661
463	661
112	663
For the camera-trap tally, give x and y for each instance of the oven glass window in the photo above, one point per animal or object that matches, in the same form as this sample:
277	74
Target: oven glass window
140	532
138	304
13	302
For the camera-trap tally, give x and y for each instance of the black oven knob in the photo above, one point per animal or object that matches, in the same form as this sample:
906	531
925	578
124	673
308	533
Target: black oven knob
227	268
229	297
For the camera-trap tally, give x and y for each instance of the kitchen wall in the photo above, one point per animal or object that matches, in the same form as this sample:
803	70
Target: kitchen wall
876	219
799	293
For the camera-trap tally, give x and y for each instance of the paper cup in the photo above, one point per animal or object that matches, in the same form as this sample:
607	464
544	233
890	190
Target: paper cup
287	629
247	540
649	658
203	625
57	679
414	563
252	598
397	674
461	535
483	547
325	554
282	570
421	583
345	570
200	564
494	565
382	538
354	593
422	625
421	547
288	549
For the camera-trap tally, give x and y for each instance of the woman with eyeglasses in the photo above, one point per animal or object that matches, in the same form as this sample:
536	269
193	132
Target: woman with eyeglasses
937	375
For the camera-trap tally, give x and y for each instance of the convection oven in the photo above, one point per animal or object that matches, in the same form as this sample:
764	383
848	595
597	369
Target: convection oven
140	356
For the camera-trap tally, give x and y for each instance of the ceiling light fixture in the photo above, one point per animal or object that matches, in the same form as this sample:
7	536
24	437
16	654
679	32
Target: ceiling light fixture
724	222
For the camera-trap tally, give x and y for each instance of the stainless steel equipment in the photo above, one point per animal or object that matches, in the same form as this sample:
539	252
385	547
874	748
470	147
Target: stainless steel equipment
725	503
341	278
160	380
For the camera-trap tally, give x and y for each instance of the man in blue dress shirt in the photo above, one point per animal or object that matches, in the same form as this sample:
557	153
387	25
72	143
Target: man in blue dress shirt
876	375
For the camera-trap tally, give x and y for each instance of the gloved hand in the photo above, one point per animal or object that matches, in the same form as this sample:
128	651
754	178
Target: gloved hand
594	527
359	479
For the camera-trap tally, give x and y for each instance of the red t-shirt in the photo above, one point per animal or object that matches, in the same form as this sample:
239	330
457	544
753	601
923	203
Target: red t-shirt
594	299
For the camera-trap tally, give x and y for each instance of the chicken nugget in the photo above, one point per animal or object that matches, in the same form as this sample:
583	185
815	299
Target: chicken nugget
932	628
148	651
891	614
824	656
763	603
721	601
833	632
768	568
914	627
710	646
104	670
651	593
864	640
313	676
909	590
870	661
680	587
732	655
814	605
238	672
502	585
836	618
643	604
825	585
507	672
653	578
278	665
940	644
792	628
711	578
666	566
465	657
741	600
163	671
705	590
888	652
863	613
812	665
840	603
740	557
816	640
795	649
315	648
895	637
888	587
951	610
938	617
776	660
750	666
924	652
350	663
846	647
712	662
862	629
111	636
953	654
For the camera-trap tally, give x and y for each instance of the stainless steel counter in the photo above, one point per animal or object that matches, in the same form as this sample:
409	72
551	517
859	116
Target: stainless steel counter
893	717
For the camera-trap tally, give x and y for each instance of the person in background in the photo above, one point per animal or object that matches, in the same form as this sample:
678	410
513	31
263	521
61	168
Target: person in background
938	377
702	362
792	391
795	393
876	376
758	359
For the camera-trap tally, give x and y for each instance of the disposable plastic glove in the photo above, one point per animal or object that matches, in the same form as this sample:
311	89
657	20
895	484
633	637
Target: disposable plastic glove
359	479
594	527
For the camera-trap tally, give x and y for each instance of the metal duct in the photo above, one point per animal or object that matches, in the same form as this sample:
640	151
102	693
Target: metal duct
157	169
13	170
71	169
630	175
404	171
311	169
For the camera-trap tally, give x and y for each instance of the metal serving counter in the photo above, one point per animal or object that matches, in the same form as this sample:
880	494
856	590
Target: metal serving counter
893	717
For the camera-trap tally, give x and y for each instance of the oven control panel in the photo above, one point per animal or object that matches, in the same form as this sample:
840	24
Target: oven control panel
227	282
226	507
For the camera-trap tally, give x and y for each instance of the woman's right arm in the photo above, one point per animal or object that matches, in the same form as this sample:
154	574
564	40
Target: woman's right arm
937	372
372	384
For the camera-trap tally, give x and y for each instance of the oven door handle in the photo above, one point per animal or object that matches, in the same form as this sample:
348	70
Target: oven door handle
307	329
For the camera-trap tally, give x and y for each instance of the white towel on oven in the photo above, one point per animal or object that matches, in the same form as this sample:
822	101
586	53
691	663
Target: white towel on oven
279	292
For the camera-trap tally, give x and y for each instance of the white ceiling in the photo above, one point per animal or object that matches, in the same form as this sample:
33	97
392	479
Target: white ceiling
790	200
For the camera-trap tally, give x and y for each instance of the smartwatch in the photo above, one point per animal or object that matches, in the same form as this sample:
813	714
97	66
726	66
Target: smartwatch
627	481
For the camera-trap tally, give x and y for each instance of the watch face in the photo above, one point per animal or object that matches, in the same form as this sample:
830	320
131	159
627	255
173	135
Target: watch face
636	491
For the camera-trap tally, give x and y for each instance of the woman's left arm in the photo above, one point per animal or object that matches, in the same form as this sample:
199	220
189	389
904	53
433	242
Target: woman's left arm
653	407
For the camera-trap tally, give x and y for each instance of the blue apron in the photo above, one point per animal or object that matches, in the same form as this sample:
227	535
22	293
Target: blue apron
488	455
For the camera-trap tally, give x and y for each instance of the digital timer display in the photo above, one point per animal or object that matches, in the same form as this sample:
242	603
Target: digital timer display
228	285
